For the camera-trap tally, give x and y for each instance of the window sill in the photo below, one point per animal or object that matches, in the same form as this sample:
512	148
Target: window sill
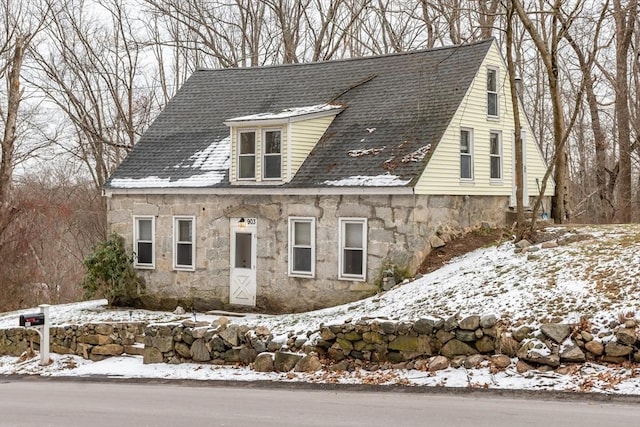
352	278
496	182
183	268
493	118
144	267
302	275
467	182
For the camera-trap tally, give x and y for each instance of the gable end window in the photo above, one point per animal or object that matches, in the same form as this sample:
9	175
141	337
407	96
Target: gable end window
466	154
184	248
302	247
246	155
492	92
143	241
272	159
353	249
495	156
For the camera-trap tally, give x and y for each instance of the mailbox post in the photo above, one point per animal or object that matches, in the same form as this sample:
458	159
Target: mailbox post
44	336
40	322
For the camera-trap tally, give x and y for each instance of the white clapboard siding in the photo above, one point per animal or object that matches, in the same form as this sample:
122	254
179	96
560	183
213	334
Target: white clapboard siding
442	175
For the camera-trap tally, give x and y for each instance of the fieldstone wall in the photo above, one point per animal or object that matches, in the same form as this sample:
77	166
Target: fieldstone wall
430	343
91	341
401	231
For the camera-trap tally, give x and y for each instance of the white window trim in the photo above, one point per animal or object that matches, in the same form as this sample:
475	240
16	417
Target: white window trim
264	155
255	154
496	92
191	267
470	154
136	239
357	277
499	155
292	272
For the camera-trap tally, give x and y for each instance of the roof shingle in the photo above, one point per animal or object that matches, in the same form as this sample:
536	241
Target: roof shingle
397	108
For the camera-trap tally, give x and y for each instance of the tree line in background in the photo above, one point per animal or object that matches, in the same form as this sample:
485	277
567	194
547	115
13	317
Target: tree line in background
83	79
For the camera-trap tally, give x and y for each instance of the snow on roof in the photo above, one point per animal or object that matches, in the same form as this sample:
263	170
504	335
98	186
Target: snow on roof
288	112
385	180
366	152
418	155
213	161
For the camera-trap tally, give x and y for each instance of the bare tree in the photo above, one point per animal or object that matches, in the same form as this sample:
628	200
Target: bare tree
605	178
625	18
21	21
547	46
91	72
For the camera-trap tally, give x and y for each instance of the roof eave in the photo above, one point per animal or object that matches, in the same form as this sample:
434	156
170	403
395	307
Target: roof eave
266	191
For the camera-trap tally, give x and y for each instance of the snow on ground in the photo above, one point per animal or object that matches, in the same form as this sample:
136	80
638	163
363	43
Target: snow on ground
595	277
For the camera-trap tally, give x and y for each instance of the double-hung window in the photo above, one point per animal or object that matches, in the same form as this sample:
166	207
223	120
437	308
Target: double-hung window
143	241
272	159
246	155
466	154
184	243
492	92
353	248
495	155
302	246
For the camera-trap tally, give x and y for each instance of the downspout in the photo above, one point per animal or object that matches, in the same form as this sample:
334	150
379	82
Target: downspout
289	149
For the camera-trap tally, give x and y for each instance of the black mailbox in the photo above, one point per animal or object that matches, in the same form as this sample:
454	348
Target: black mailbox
32	319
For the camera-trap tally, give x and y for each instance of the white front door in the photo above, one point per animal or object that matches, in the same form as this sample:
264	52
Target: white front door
242	271
525	193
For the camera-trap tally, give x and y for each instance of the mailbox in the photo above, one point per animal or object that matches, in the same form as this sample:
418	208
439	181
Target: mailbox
32	319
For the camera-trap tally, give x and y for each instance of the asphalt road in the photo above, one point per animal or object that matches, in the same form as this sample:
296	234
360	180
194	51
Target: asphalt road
85	403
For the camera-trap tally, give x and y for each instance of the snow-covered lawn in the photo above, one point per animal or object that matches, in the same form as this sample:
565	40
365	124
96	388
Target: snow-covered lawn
595	277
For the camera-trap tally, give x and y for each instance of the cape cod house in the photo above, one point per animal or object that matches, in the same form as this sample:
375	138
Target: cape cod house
289	188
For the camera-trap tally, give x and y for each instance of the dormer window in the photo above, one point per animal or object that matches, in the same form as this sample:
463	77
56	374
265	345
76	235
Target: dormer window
247	155
272	163
268	148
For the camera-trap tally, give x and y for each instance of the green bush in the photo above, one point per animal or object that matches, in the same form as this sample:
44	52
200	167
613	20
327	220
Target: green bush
110	273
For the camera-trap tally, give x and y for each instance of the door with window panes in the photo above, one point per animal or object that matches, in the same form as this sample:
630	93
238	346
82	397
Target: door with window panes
242	272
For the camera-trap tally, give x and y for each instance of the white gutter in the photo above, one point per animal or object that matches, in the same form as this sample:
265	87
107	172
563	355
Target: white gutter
329	191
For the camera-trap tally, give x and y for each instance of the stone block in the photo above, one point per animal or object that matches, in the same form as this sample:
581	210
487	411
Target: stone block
284	361
558	332
134	350
309	363
151	355
264	363
200	351
107	350
456	347
626	336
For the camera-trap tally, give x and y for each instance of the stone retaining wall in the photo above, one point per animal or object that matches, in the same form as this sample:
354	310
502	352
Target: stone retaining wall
430	343
427	343
91	341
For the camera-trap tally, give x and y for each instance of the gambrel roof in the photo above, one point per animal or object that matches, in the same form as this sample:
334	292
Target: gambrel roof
395	111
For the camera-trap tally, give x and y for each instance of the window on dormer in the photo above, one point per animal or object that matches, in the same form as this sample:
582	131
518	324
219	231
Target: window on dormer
272	163
247	155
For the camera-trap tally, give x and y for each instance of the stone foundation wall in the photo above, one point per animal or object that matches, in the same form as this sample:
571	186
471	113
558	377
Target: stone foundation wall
91	341
427	343
400	229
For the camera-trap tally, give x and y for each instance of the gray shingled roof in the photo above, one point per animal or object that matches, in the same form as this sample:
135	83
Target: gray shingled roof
409	99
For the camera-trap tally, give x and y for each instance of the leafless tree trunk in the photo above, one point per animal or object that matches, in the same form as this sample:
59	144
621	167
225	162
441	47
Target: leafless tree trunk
10	119
520	220
586	62
625	18
549	51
